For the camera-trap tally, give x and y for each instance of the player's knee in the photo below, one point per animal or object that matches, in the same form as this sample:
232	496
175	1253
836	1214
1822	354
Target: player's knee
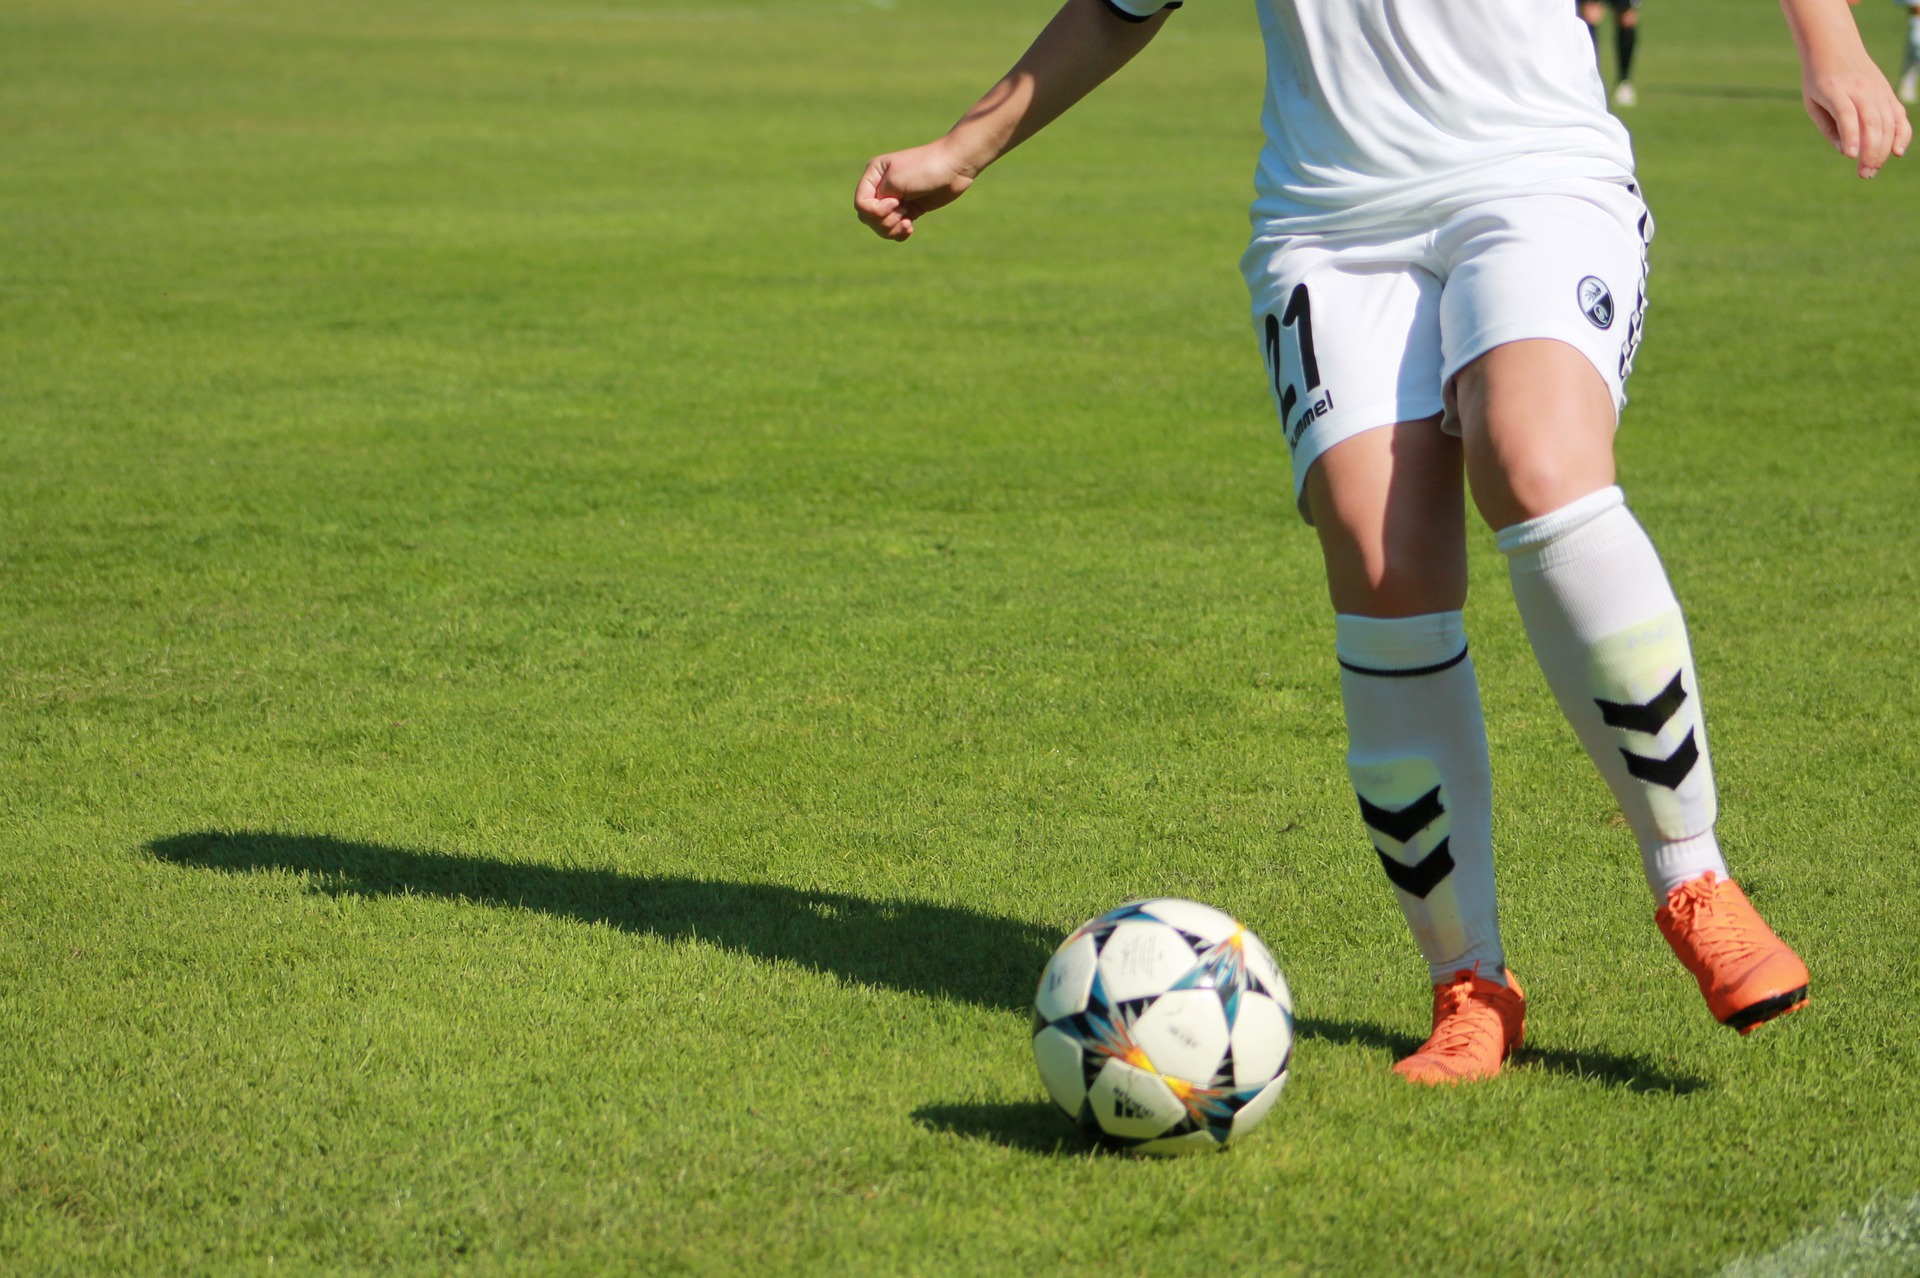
1401	577
1537	482
1629	18
1395	596
1406	595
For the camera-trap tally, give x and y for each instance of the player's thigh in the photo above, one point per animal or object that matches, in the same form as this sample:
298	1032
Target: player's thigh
1390	510
1537	422
1541	319
1350	330
1350	327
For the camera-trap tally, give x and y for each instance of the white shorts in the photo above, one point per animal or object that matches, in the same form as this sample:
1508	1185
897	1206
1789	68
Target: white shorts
1365	328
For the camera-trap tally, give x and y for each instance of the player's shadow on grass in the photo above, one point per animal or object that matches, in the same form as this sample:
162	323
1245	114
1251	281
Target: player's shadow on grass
1039	1128
1628	1072
1034	1126
978	958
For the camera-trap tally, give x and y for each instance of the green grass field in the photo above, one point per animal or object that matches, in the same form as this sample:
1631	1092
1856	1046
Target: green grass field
557	692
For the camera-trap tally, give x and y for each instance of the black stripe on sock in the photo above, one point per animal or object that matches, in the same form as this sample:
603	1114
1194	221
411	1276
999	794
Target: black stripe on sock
1401	824
1448	664
1668	772
1421	879
1647	716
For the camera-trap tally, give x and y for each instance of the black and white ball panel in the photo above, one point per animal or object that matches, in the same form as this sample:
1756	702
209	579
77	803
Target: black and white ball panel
1068	980
1262	1040
1142	958
1163	1026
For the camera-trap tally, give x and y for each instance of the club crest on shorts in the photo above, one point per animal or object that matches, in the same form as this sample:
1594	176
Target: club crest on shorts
1596	301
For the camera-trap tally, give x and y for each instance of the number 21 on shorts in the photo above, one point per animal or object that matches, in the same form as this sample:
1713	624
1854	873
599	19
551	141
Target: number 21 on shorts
1306	397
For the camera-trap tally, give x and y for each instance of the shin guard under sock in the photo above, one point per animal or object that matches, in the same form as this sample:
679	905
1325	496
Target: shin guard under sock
1610	638
1417	755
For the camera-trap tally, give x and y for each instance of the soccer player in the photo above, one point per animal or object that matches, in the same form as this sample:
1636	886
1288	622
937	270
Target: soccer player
1626	32
1447	272
1910	64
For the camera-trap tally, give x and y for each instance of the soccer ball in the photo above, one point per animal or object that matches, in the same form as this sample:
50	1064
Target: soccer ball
1163	1027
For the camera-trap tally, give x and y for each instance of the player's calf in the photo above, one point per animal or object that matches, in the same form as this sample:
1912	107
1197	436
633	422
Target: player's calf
1610	637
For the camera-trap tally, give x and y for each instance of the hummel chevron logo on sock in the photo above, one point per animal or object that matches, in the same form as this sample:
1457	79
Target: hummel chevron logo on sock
1418	880
1670	771
1401	825
1650	717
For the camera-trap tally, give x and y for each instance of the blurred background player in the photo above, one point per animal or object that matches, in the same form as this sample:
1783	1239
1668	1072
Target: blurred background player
1626	32
1910	65
1447	273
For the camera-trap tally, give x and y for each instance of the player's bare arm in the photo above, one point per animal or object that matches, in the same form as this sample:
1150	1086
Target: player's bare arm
1845	93
1084	44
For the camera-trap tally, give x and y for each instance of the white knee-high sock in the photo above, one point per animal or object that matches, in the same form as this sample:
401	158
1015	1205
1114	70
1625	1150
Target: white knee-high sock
1610	638
1417	754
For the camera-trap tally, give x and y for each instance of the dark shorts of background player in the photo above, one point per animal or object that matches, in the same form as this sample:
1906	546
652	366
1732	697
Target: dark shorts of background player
1618	6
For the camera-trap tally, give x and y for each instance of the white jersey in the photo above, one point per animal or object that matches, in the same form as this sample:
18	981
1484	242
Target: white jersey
1388	111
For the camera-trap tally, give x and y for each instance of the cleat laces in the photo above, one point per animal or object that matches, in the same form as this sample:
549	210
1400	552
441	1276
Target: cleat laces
1746	973
1459	1027
1719	935
1476	1022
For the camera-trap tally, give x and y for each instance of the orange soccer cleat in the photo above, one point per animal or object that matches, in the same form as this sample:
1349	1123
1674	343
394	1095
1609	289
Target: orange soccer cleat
1476	1022
1747	974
